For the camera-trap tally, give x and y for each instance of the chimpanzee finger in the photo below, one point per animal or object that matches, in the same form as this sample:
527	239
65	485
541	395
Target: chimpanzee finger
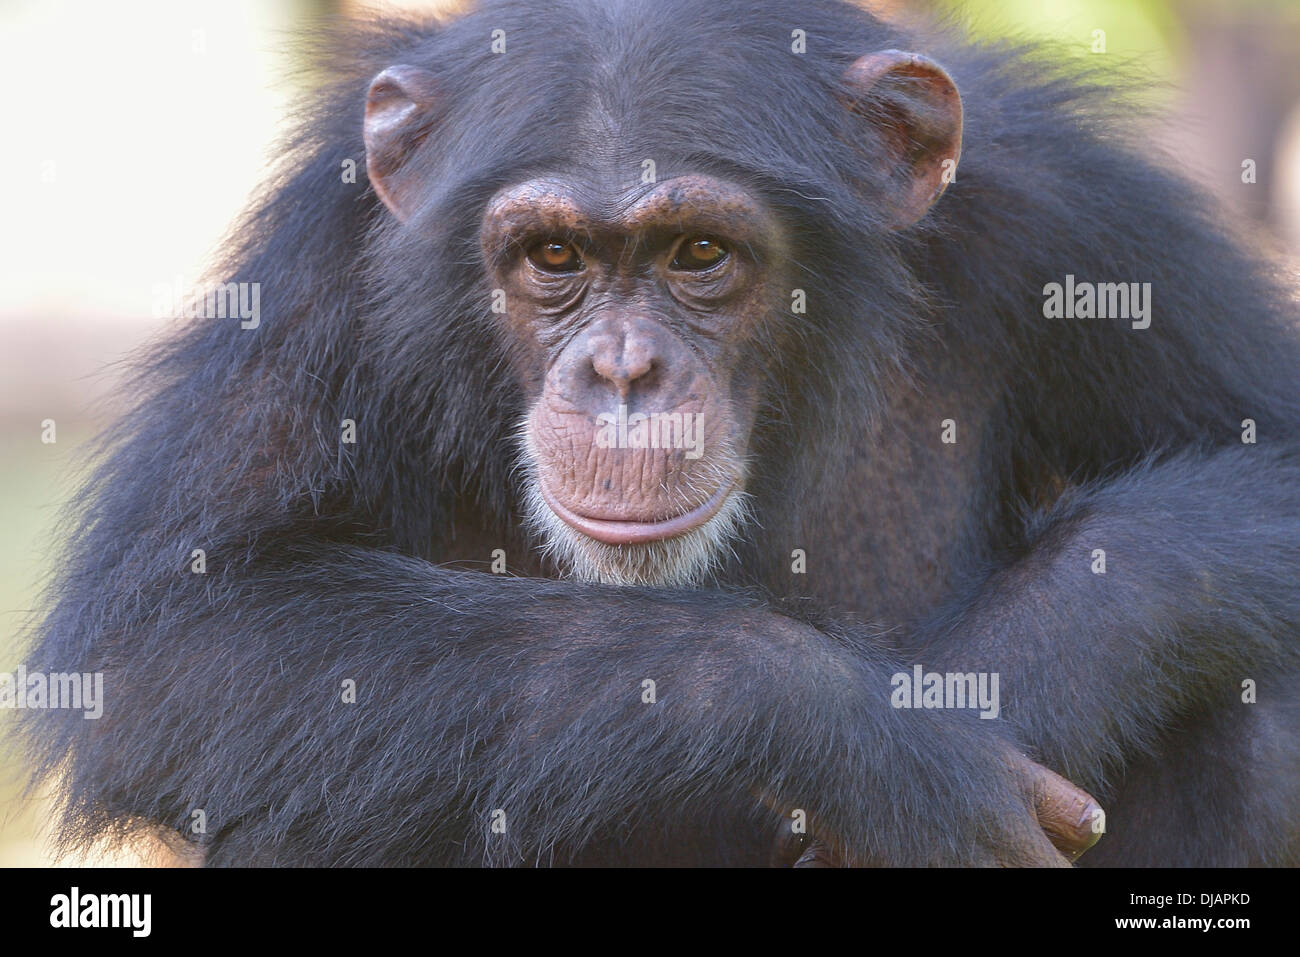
1068	815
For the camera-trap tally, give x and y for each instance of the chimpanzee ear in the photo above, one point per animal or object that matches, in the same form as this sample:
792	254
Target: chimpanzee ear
915	104
398	113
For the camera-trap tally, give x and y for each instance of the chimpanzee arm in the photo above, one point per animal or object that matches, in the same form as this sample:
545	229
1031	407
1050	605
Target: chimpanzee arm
1199	593
478	693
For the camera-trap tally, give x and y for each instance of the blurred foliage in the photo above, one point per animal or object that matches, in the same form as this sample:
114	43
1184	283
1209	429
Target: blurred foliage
35	482
1140	35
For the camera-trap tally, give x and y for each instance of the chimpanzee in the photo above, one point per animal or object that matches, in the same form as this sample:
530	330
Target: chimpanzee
688	432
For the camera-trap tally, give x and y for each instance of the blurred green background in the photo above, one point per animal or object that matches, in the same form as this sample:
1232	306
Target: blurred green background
155	119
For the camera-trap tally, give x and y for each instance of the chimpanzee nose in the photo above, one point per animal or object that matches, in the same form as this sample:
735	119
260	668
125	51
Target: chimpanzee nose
623	352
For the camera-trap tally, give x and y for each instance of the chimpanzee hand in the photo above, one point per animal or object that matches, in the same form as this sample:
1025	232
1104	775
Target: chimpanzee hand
1059	830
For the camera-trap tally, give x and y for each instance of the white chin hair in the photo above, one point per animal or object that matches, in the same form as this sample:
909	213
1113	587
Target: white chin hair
683	561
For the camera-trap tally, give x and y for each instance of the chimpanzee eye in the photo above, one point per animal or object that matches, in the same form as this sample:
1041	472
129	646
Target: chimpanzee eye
698	253
552	255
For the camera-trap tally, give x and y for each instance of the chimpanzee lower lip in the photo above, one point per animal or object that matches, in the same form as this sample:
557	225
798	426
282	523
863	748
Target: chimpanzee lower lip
614	532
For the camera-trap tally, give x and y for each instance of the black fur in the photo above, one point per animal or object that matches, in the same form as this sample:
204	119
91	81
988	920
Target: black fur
477	692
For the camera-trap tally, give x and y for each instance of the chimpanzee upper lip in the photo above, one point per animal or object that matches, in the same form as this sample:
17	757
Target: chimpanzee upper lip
614	532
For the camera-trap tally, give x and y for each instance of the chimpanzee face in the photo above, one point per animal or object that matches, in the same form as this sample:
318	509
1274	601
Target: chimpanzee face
631	314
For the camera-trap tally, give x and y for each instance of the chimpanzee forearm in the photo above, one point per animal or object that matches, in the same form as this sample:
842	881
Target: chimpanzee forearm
1198	594
478	694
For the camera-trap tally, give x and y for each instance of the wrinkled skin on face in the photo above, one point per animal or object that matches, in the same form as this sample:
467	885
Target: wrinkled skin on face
631	315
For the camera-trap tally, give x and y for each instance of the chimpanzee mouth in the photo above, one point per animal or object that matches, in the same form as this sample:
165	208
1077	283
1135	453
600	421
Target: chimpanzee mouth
622	532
